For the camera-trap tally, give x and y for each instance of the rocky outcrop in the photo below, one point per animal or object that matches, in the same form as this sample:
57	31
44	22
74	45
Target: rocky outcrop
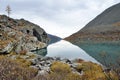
20	35
105	27
32	29
25	27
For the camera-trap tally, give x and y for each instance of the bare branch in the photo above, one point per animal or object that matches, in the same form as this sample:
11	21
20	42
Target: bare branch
8	10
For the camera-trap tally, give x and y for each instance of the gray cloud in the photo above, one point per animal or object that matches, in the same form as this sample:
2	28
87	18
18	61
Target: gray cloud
71	15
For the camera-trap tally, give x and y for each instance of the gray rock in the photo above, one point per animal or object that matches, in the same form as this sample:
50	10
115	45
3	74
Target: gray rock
33	29
43	68
57	58
42	72
38	66
13	57
74	65
47	69
67	61
34	61
42	63
46	58
38	57
76	72
24	57
34	67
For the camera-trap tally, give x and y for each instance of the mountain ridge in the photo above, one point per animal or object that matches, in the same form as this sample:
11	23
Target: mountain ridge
105	27
53	38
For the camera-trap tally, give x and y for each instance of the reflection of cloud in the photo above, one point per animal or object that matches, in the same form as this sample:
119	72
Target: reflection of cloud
69	14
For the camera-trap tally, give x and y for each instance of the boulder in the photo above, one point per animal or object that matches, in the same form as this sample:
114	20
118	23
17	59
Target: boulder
42	72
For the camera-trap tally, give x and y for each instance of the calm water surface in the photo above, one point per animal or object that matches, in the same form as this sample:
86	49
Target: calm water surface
65	49
105	53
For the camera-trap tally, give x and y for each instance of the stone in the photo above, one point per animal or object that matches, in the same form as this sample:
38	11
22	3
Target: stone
33	61
57	58
78	73
38	66
42	72
74	65
42	63
66	61
10	34
47	58
24	56
13	57
34	67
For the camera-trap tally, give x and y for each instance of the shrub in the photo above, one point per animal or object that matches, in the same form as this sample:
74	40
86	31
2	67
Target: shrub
24	62
62	71
12	70
92	71
60	67
73	76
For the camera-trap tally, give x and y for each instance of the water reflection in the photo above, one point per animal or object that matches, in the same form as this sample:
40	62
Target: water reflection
105	53
65	49
42	51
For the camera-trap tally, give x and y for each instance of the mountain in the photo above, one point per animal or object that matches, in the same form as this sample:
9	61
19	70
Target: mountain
20	35
105	27
53	38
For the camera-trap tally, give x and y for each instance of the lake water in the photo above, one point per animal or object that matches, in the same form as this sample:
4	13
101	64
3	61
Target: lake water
106	53
65	49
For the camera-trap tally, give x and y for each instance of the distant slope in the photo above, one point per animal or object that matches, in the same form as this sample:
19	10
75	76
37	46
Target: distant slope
53	38
105	27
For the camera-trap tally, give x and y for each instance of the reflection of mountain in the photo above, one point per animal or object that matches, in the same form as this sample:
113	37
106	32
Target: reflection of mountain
105	27
65	49
41	52
110	50
53	38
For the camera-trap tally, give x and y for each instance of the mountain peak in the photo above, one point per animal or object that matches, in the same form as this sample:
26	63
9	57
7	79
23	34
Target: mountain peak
105	27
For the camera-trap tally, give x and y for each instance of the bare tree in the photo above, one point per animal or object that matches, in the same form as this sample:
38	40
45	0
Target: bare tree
8	10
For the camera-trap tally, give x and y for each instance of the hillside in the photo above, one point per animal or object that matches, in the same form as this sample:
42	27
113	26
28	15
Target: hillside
53	38
105	27
20	35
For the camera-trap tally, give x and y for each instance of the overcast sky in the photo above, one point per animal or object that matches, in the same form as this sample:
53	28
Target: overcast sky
58	17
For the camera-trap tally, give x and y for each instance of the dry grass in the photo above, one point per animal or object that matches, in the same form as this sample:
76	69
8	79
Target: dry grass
19	70
92	71
12	70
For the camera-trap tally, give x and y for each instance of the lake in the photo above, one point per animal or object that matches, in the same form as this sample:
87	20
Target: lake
65	49
107	53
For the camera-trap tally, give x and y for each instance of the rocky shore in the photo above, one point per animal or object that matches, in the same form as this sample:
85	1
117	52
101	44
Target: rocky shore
54	67
43	64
